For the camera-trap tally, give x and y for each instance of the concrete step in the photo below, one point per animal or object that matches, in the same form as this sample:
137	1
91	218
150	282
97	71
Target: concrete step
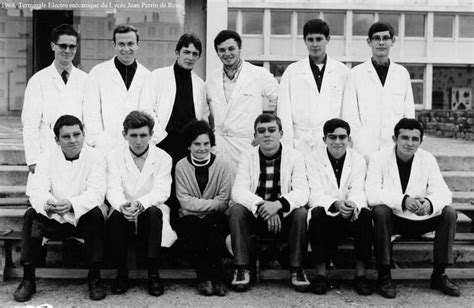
456	163
12	156
12	191
463	197
459	180
13	175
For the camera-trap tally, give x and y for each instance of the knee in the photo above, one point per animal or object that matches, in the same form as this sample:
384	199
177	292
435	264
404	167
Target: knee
115	218
154	212
30	214
95	215
381	212
449	214
365	214
237	212
300	215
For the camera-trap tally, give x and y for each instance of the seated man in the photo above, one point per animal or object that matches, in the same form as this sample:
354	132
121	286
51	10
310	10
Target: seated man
138	184
408	196
338	206
66	189
203	184
270	193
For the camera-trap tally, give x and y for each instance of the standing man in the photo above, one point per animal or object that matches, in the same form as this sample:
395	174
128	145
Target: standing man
52	92
113	90
138	184
311	91
270	193
66	190
338	206
408	196
235	93
378	94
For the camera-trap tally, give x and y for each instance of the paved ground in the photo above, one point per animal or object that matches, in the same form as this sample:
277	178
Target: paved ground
73	293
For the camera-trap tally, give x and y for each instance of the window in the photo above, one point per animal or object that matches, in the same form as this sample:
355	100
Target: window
443	25
232	20
452	87
466	26
281	22
415	25
392	19
252	22
417	77
303	17
361	23
335	22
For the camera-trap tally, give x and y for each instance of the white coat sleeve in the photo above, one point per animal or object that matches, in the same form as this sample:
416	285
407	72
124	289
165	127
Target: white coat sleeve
350	105
115	194
409	105
31	119
269	86
356	191
92	111
374	186
437	190
147	97
284	111
94	193
317	194
196	206
298	196
40	189
241	193
161	184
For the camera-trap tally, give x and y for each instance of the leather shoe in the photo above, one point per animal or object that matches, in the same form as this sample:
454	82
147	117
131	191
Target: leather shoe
120	285
220	288
96	291
362	285
25	291
155	287
386	287
320	285
206	288
445	285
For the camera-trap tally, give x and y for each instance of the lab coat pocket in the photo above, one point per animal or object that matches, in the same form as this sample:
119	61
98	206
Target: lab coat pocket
396	103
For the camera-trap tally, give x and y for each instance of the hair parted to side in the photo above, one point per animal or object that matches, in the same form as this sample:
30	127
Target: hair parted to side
64	29
315	26
267	118
66	120
125	29
196	128
380	26
224	35
189	38
331	125
138	119
408	123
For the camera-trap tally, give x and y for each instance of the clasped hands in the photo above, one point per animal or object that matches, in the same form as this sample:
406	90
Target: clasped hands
418	205
60	207
268	211
131	210
347	208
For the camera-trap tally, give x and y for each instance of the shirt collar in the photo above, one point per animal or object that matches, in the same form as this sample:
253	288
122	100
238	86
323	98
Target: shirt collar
119	65
376	65
60	68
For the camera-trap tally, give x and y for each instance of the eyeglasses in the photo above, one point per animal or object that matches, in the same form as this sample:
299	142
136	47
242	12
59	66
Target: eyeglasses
66	46
271	130
334	137
384	38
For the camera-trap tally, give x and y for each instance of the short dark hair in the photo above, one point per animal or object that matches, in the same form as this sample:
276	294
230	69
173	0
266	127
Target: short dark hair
224	35
380	26
315	26
125	29
138	119
267	118
333	124
64	29
189	38
66	120
194	129
408	123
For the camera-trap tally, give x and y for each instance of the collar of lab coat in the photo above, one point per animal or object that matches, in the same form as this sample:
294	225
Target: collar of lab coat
148	166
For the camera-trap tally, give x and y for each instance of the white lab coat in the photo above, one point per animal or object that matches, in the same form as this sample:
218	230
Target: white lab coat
372	110
383	184
234	120
46	99
151	186
293	183
159	94
107	102
323	183
81	181
303	110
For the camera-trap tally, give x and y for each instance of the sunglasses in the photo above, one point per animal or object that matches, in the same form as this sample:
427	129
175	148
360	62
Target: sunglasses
66	46
271	130
334	137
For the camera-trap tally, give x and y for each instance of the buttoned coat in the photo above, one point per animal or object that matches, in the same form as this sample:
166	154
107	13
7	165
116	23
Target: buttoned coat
383	185
151	186
372	110
107	102
303	109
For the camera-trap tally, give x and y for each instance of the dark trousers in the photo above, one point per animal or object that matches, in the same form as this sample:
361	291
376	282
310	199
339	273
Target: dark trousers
90	227
206	236
326	233
386	224
242	224
122	231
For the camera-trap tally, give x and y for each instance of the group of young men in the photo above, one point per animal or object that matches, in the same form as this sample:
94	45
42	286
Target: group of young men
305	169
